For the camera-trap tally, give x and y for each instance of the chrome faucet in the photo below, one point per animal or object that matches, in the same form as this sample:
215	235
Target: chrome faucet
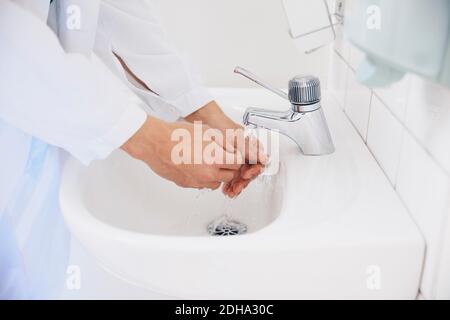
304	123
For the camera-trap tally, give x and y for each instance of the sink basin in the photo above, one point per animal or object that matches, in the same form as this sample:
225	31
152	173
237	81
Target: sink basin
322	227
123	193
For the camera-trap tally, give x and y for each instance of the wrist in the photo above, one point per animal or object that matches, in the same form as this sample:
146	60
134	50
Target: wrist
211	109
212	115
145	140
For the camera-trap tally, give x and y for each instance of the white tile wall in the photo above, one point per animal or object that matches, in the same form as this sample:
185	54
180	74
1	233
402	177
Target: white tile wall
396	96
357	103
428	116
443	287
356	56
337	81
340	45
384	138
407	128
424	188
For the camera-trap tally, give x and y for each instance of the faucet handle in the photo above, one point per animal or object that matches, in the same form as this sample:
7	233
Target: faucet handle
304	90
257	80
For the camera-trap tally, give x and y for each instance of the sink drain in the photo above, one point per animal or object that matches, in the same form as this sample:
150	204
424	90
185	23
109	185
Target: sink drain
226	228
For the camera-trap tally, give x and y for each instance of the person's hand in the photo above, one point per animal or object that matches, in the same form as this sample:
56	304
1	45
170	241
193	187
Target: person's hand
250	147
153	143
255	159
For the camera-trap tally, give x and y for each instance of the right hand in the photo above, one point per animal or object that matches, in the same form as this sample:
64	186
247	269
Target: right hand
153	144
256	160
249	147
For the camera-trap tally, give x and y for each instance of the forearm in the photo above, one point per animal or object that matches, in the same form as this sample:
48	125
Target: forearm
69	101
145	141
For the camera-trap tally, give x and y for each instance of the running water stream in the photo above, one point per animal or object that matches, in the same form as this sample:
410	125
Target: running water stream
228	223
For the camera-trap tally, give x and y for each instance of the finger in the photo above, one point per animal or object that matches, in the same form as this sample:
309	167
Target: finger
234	158
230	164
250	150
246	183
263	158
234	188
239	186
226	175
230	195
227	190
244	169
254	151
228	145
242	188
231	167
213	185
251	171
217	136
229	160
216	156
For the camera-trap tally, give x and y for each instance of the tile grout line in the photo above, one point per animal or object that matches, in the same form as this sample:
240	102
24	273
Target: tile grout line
368	149
408	130
350	69
369	117
441	247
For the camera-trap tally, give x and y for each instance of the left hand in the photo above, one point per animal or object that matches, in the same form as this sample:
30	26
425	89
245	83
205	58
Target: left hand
255	157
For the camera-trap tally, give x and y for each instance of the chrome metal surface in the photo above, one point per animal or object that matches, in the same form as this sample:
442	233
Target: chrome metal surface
308	130
304	90
304	123
257	80
226	228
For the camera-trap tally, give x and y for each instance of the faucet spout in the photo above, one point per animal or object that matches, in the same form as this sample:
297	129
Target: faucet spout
308	130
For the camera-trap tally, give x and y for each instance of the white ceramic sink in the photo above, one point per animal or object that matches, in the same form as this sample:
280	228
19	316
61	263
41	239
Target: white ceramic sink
323	227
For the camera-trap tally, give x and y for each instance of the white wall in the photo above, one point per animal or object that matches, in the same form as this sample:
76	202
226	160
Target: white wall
407	128
220	34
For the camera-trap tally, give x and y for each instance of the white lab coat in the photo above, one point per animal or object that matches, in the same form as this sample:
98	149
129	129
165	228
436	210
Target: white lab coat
59	93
